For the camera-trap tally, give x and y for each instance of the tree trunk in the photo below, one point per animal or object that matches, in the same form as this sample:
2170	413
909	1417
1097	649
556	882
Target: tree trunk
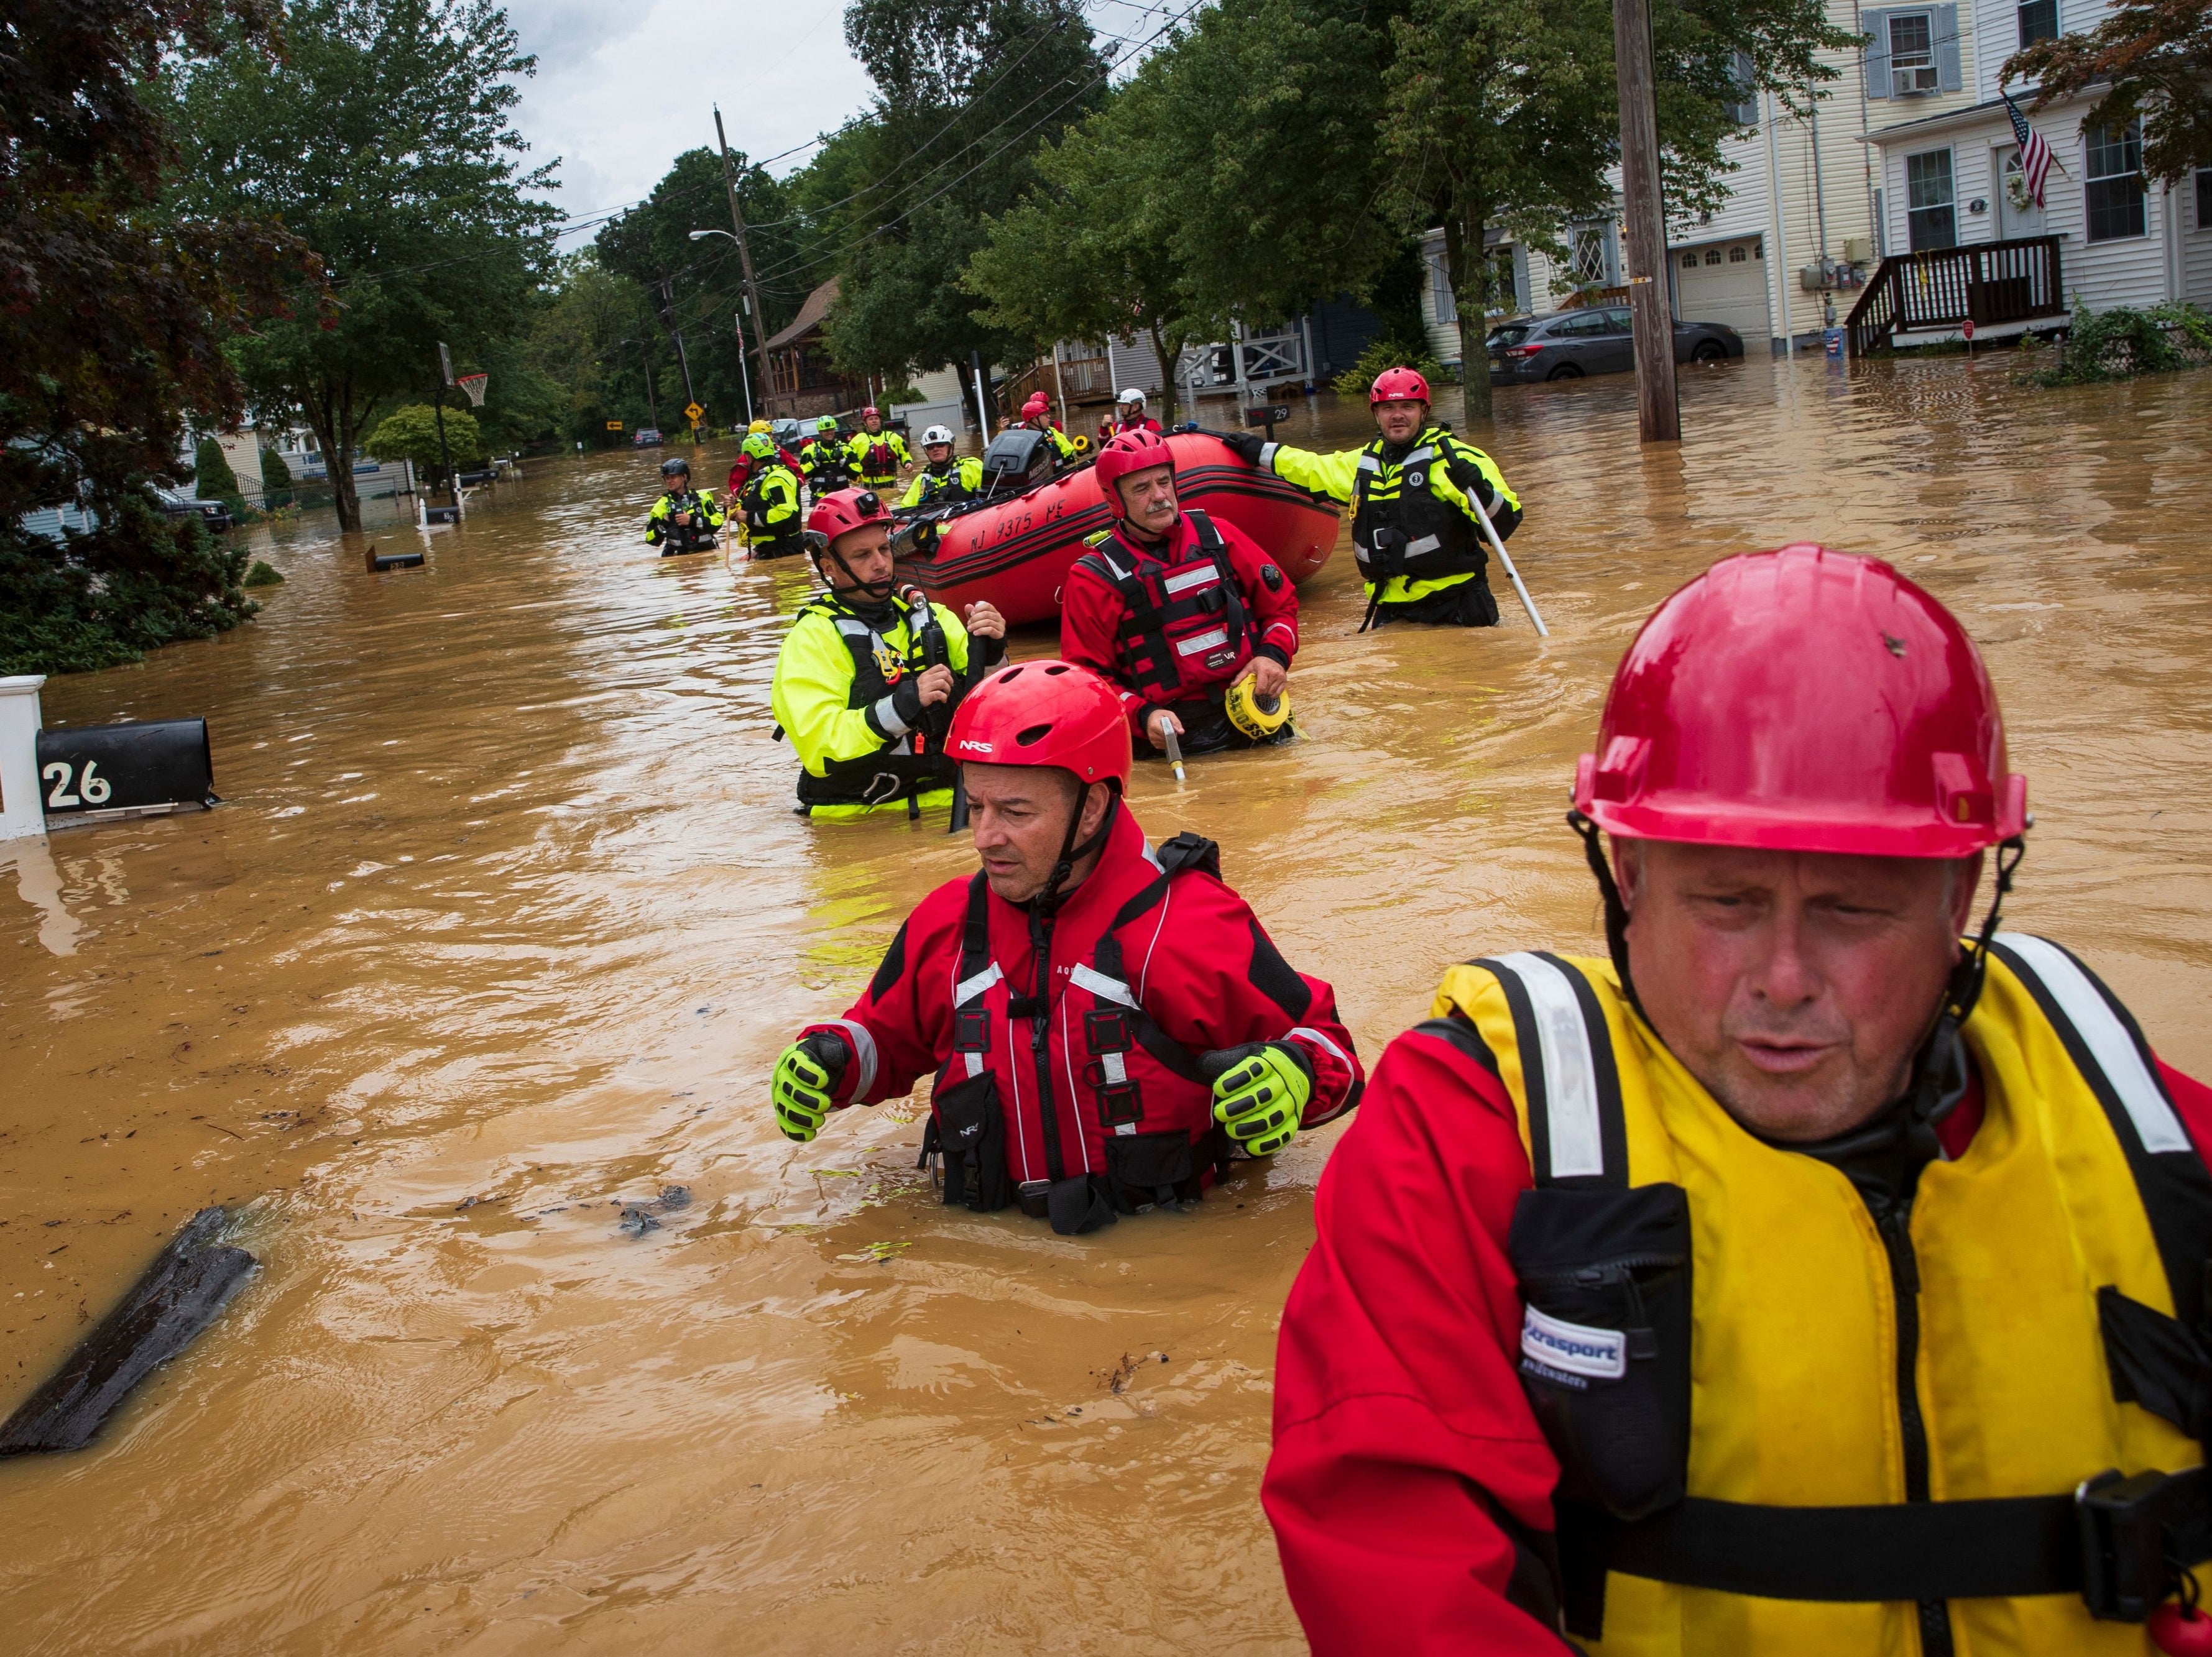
320	408
1167	376
1469	270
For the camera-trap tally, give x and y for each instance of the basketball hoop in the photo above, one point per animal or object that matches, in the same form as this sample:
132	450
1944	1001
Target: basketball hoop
474	386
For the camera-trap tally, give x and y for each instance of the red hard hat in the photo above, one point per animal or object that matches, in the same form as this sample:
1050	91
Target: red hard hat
871	412
1397	386
1038	404
1804	700
1124	453
845	510
1044	713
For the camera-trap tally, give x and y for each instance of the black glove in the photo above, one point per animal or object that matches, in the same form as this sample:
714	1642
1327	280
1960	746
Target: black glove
906	701
1248	446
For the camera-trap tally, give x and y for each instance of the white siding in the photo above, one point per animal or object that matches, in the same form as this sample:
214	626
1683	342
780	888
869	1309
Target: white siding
2196	245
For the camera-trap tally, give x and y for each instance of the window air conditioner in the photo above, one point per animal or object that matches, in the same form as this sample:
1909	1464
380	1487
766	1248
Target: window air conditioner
1904	82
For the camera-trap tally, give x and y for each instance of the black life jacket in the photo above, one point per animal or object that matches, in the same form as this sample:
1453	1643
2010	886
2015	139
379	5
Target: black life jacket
941	485
904	768
1171	613
755	503
1426	536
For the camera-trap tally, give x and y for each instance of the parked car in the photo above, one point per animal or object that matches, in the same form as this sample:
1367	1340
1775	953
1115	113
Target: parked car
647	437
788	434
175	503
1596	340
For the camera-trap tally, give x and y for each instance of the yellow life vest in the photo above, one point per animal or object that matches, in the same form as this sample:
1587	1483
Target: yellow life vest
1792	1497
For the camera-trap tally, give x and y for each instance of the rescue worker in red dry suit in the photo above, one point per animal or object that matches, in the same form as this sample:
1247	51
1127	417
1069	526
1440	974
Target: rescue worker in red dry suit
1129	409
1817	1275
1416	492
1181	612
1104	1021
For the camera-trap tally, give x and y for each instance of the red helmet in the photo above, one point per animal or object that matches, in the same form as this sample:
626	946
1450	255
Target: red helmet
1044	713
845	510
1038	404
1397	386
1804	700
871	412
1124	453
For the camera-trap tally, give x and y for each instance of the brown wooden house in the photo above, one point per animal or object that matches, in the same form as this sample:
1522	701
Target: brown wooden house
802	384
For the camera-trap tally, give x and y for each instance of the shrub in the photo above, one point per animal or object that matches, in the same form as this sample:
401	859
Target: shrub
2122	342
276	481
217	481
1383	353
263	574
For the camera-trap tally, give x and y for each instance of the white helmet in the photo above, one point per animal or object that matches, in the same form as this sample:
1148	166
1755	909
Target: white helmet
1132	395
937	434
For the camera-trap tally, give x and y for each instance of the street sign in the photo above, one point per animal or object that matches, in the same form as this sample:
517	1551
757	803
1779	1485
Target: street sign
695	414
614	425
1969	327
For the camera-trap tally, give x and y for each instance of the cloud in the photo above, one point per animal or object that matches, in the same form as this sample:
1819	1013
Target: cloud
621	90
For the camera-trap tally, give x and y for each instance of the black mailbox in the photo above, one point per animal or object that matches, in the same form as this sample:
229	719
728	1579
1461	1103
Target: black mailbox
156	766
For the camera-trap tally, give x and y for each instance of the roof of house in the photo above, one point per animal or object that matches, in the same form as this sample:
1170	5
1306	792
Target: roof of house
810	316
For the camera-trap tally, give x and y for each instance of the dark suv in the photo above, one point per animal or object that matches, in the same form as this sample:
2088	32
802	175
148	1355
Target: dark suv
1596	340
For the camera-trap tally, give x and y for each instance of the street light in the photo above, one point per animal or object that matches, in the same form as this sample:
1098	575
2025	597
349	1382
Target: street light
740	322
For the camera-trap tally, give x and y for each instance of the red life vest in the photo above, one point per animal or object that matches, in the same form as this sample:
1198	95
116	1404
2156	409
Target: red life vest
1075	1104
1183	623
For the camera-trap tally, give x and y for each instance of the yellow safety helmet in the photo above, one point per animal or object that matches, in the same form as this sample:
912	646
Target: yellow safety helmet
759	426
1257	719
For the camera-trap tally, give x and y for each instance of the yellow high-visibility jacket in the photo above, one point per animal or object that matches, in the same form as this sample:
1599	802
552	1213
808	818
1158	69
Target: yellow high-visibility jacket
832	695
1963	1349
706	515
770	505
874	458
1422	488
960	479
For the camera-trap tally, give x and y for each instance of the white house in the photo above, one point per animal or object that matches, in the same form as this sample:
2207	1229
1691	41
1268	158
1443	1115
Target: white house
1949	167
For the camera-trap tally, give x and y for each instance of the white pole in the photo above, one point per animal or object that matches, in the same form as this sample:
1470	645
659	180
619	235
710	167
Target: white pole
23	808
1505	558
982	416
1060	385
1777	256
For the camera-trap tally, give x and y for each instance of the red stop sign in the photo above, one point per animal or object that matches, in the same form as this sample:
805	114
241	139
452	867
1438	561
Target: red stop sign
1969	327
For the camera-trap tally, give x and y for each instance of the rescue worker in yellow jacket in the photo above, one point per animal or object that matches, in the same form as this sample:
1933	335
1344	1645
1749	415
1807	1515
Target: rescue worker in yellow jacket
683	520
822	458
1822	1273
1414	493
1036	414
942	481
873	456
770	503
869	675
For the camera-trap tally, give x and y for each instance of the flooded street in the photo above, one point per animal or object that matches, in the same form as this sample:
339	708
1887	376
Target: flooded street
508	914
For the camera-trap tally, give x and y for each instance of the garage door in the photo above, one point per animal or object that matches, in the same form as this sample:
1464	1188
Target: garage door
1723	282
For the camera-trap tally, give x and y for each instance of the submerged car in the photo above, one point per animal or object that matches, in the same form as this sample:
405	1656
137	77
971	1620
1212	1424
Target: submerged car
175	503
1596	340
646	437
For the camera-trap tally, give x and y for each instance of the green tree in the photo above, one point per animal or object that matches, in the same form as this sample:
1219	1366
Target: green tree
968	93
214	480
276	481
116	315
384	138
2153	60
411	433
579	341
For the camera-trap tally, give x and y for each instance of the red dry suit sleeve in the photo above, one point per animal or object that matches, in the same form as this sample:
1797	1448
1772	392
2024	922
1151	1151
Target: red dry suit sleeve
1274	606
1401	1432
901	1028
1090	612
1210	975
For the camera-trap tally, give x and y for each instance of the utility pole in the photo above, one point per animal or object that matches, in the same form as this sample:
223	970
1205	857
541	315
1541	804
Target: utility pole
668	316
1658	410
744	252
743	369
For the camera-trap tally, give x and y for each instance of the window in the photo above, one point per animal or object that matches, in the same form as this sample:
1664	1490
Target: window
1504	290
1912	53
2112	196
1745	111
1588	269
1620	320
2205	199
1586	325
1736	256
1690	260
1930	220
2039	20
1712	256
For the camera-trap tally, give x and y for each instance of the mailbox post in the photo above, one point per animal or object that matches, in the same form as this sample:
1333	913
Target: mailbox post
22	811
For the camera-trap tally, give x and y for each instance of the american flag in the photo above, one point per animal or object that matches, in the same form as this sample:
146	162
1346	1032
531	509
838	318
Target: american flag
2034	154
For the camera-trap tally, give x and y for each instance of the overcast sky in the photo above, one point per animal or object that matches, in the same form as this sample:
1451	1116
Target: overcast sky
625	86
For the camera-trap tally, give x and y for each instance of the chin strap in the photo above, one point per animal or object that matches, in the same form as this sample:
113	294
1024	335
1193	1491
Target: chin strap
1046	900
1616	911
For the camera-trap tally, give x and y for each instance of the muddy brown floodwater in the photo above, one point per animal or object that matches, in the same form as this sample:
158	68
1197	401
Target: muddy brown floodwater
507	916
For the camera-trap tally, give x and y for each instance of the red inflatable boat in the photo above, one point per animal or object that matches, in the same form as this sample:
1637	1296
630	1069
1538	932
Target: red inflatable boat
1014	549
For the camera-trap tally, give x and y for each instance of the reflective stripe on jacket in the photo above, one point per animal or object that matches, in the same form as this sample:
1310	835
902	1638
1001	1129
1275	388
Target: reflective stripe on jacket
770	505
1426	496
706	516
2024	1293
832	695
1118	991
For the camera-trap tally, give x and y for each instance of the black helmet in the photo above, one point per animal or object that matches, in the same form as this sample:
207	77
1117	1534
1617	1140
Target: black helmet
676	465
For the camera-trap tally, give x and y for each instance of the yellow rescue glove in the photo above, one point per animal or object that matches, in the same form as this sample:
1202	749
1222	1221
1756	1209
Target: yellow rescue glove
1260	1092
806	1078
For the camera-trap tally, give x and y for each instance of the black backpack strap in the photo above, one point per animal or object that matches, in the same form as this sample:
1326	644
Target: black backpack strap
1578	1132
1106	977
1216	548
